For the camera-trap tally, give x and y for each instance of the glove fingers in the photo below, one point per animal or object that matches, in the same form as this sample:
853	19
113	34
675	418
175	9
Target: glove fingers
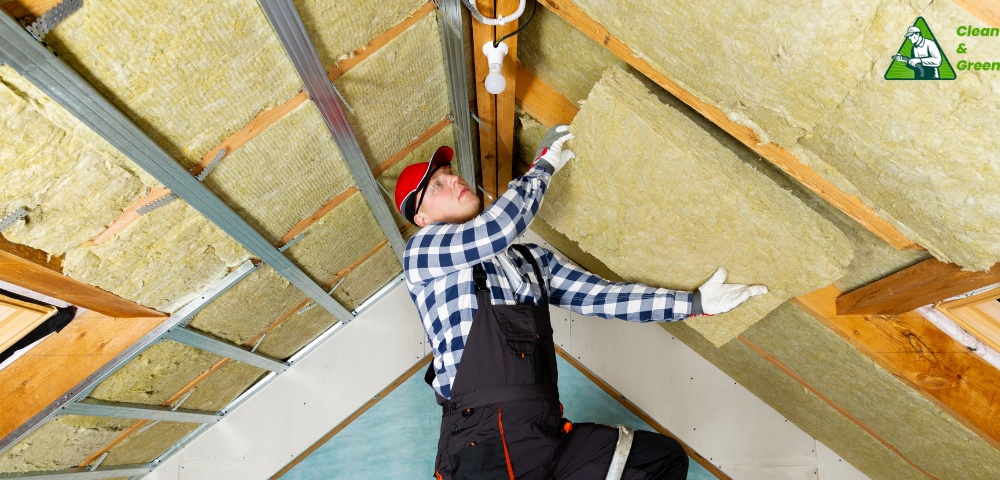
556	145
757	290
719	276
565	155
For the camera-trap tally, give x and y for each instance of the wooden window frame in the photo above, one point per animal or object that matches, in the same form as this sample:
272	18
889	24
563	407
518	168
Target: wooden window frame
978	314
18	318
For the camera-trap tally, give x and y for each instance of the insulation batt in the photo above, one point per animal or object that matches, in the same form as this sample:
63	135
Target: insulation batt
661	202
873	257
809	77
188	72
398	92
69	188
62	443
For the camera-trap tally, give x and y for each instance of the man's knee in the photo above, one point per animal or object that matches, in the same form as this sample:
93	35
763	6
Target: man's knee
660	456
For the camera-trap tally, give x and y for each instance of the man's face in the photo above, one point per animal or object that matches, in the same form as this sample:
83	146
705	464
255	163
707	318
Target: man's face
447	198
914	37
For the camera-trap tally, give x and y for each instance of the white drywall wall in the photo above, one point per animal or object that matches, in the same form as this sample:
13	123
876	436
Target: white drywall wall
694	399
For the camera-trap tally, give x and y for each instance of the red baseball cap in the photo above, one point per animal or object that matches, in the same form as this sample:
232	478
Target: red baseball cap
413	180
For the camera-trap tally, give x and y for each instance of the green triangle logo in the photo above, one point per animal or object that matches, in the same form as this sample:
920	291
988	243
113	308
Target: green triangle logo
923	61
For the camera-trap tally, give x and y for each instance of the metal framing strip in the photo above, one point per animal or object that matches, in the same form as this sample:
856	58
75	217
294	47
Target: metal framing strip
12	218
454	50
204	342
287	24
84	473
82	389
68	89
142	412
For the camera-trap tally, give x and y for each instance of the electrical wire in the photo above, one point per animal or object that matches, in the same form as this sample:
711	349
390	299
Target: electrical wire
534	6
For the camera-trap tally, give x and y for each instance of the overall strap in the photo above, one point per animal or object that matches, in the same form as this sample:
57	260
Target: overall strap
526	253
479	276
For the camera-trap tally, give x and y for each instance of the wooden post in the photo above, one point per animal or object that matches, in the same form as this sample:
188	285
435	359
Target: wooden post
32	269
922	284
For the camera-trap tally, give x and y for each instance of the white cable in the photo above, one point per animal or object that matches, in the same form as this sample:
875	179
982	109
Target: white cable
501	20
953	330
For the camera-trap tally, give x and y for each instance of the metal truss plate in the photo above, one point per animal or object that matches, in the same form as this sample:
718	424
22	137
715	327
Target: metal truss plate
54	16
12	218
159	202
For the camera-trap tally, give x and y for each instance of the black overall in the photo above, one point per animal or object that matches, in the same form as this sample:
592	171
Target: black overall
504	420
504	408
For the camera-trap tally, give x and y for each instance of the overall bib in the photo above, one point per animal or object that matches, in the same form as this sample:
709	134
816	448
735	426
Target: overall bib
504	418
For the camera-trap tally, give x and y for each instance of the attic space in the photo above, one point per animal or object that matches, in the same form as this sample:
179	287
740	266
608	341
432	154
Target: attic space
200	228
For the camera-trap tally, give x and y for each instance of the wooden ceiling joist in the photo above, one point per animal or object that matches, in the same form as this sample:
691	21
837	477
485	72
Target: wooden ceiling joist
780	157
922	284
33	269
542	102
918	353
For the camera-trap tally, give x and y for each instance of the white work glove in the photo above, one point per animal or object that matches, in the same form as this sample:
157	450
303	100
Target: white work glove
550	154
715	296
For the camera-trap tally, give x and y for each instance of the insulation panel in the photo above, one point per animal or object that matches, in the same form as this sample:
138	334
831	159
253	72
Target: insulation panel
49	167
661	202
397	92
189	73
927	166
149	444
62	443
284	174
155	375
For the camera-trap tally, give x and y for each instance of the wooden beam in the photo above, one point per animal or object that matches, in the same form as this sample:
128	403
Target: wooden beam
639	413
922	284
30	268
61	361
925	358
31	9
505	100
834	405
541	101
780	157
985	10
485	101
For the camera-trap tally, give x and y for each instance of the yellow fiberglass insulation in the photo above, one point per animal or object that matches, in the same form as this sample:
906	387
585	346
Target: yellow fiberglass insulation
337	240
62	443
397	92
156	374
249	307
147	445
284	174
222	387
810	77
674	204
188	72
70	189
161	261
355	24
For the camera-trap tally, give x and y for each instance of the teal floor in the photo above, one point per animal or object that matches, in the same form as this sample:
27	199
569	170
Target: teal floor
397	438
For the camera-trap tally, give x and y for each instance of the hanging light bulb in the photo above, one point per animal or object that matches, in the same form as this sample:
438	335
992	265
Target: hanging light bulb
495	83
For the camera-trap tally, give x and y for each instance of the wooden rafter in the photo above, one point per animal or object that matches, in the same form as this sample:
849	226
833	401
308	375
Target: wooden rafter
922	284
33	269
541	101
925	358
60	362
780	157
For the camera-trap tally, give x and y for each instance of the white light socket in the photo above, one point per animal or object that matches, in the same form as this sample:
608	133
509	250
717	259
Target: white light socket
495	83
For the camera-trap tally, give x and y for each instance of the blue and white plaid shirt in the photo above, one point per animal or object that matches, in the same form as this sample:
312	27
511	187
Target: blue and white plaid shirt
438	266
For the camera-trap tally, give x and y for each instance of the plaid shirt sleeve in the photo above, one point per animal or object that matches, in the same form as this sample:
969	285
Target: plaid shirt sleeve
443	248
588	294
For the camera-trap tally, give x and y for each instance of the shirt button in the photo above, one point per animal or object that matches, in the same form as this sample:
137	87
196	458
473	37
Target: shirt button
454	428
454	406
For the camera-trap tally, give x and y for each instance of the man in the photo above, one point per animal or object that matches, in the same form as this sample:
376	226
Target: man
484	303
925	58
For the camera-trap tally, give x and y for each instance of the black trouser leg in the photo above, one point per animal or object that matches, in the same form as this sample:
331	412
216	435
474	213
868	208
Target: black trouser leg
660	456
586	452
